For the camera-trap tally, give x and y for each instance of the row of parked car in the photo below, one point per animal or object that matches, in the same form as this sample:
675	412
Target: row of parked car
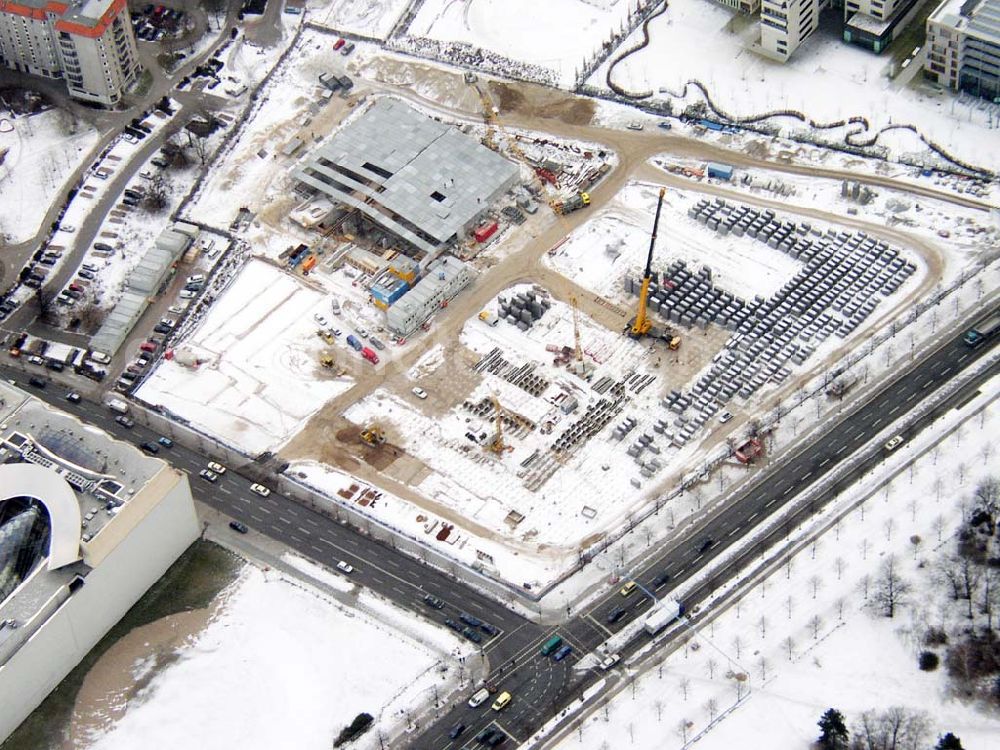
156	21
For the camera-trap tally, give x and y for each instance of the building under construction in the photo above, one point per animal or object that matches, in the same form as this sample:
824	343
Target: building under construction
421	182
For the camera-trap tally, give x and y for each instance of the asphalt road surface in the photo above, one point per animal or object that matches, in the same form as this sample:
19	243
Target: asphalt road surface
540	685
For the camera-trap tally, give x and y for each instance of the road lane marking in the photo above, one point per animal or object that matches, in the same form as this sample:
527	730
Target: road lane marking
842	449
753	516
877	422
894	410
927	384
304	531
225	491
787	490
962	358
945	371
697	559
734	532
911	397
861	434
309	520
285	520
262	509
773	500
295	538
806	476
825	462
258	519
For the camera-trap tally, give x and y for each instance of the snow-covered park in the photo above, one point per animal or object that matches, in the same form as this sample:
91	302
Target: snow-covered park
282	665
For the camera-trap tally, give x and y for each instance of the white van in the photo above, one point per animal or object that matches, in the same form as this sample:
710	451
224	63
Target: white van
479	698
116	404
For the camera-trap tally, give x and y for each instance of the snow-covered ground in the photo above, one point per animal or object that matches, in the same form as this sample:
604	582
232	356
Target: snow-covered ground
280	665
42	151
537	33
367	17
260	379
700	40
807	636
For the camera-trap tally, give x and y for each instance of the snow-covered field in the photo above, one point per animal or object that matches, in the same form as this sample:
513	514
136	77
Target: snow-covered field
807	636
825	78
42	151
368	17
280	665
260	379
556	34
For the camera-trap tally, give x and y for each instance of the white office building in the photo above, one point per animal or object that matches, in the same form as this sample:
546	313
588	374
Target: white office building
87	43
87	524
785	24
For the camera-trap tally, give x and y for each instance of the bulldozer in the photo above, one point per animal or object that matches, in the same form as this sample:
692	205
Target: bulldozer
373	436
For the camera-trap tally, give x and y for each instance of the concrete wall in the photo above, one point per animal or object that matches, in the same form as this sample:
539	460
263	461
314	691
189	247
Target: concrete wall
109	591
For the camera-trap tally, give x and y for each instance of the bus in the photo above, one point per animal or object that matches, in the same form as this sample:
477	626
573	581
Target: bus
551	645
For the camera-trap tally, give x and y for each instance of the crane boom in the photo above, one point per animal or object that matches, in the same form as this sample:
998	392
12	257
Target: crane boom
642	323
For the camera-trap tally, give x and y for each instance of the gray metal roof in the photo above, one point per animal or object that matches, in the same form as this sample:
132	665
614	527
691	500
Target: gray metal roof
985	21
419	178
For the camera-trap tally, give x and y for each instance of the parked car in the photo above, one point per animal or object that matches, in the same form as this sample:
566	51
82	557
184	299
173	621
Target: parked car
343	567
628	588
147	346
208	476
37	382
150	448
73	397
160	328
88	275
239	526
615	615
260	489
217	467
419	393
893	443
125	422
432	601
472	635
187	294
165	442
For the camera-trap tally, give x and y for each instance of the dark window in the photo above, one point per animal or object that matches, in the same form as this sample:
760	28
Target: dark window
384	173
437	196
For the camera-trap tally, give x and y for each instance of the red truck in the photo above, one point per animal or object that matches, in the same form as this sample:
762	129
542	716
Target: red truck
370	355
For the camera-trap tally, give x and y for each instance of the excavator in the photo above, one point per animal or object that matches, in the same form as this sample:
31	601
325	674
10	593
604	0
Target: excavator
641	325
373	435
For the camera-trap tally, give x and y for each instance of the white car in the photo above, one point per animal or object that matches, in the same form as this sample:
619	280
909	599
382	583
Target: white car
362	333
187	294
67	228
100	357
217	468
344	567
321	319
260	489
894	443
725	417
419	393
610	661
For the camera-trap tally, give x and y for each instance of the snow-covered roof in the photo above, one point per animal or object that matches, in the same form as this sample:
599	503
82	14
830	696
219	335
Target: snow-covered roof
420	179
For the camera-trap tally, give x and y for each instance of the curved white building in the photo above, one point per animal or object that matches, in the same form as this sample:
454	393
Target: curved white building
87	525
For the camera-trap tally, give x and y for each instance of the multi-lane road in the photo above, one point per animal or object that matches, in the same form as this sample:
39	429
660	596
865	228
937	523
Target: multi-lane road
541	686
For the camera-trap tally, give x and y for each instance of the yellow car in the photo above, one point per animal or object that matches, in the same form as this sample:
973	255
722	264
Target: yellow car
502	700
628	588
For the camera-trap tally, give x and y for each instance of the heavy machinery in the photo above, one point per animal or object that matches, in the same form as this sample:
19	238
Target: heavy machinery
578	201
373	435
641	325
497	445
578	366
326	360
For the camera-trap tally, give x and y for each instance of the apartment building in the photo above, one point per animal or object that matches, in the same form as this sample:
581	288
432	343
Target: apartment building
875	23
785	24
963	47
87	43
746	7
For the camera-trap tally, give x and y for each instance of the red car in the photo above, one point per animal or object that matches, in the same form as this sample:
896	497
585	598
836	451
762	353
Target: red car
147	346
370	355
339	43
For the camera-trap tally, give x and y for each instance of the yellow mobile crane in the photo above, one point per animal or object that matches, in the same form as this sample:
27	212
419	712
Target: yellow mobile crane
641	325
497	445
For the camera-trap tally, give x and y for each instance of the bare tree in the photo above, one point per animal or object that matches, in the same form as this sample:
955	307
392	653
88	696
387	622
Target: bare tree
890	590
712	707
685	686
156	198
762	665
896	728
990	600
840	607
939	526
682	730
814	583
737	646
762	624
987	497
789	645
839	564
815	623
712	665
658	706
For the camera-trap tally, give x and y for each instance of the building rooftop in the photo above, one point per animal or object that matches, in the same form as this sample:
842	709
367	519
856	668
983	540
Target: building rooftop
84	478
979	18
419	178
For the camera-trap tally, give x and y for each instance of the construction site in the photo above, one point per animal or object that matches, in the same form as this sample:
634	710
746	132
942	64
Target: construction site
515	339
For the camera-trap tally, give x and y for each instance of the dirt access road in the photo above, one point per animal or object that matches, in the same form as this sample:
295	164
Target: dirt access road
565	116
